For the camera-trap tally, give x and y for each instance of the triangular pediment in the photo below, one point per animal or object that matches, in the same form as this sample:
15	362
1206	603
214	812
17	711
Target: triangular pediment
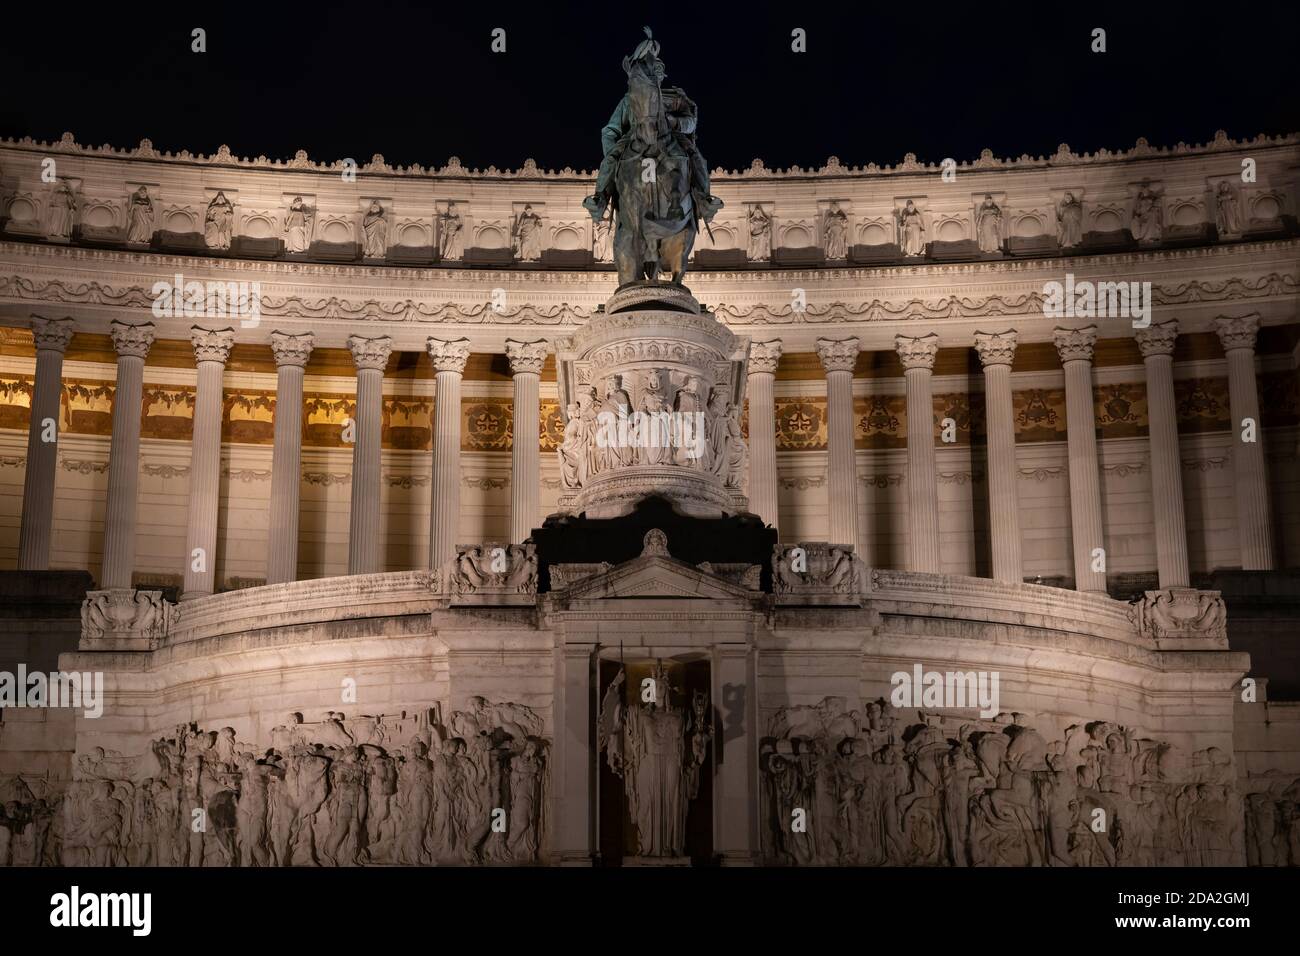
656	576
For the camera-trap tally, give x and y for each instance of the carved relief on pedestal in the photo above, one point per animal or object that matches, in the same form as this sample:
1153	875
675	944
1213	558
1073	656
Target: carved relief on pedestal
125	619
1176	615
845	788
490	574
815	572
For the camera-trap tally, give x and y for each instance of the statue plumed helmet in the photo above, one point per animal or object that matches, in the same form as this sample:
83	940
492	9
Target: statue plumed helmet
648	50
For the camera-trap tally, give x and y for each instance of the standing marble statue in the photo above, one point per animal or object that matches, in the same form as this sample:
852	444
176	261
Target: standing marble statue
760	234
911	230
218	224
645	744
375	228
450	234
835	231
297	226
63	207
1069	222
600	240
988	225
1227	215
527	236
652	129
573	449
1147	222
139	217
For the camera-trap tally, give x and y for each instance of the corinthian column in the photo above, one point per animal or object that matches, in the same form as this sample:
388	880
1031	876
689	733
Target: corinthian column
1157	345
211	349
917	356
51	337
132	344
526	361
371	357
997	352
1075	348
1254	513
449	360
763	359
838	358
291	355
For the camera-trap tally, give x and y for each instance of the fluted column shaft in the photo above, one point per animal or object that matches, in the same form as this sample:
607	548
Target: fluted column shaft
917	355
763	360
1075	348
449	360
132	344
291	355
838	359
1157	345
526	360
51	337
996	352
211	349
365	523
1250	471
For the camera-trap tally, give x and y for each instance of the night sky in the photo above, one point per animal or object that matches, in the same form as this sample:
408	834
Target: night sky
418	82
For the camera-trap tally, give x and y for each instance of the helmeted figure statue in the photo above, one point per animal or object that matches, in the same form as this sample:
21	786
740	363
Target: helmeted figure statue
652	173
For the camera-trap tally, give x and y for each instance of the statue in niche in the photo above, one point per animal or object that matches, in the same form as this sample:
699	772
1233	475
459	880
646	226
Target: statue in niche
911	230
1069	222
298	226
1147	221
652	758
988	225
451	235
63	209
218	223
655	417
689	402
600	240
526	236
760	234
1227	214
139	217
573	449
375	228
653	127
835	232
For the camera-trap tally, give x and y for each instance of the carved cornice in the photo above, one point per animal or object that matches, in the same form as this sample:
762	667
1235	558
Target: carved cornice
134	340
449	356
838	355
370	353
764	356
52	335
1238	332
292	349
996	348
917	352
212	345
1075	345
1158	339
523	356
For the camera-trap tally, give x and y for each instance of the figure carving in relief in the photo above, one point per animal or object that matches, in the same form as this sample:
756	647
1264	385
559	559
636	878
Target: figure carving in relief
689	402
139	217
1069	222
451	234
600	240
911	230
835	229
375	229
218	222
526	236
1147	222
298	226
1227	212
760	234
988	225
573	449
63	209
415	801
655	417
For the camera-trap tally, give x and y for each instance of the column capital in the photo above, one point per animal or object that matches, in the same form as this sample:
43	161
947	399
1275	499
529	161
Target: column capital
1238	332
917	352
53	335
1157	339
212	345
764	356
523	356
449	356
1075	345
132	339
370	353
292	349
996	348
838	355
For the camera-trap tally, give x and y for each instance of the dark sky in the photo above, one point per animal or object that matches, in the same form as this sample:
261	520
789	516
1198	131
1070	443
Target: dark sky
418	82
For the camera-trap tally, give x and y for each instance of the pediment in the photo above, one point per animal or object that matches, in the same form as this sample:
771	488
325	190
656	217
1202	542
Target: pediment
656	576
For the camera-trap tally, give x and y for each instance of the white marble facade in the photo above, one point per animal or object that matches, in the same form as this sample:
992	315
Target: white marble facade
343	639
